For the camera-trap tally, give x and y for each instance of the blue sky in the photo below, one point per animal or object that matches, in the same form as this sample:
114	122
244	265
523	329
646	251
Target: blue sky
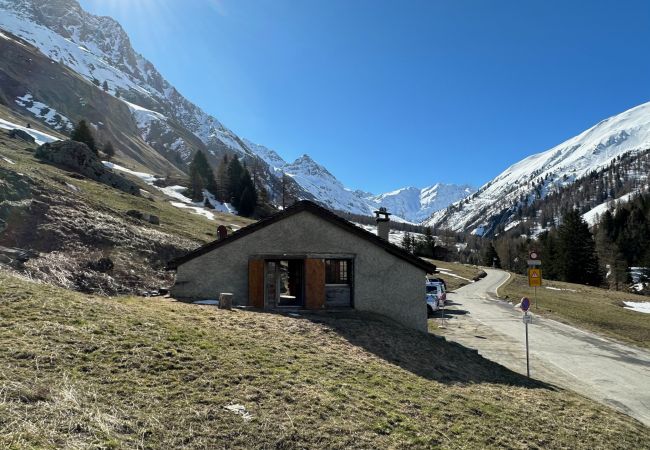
387	94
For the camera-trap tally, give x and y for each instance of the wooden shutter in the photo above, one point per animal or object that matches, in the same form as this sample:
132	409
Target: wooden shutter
314	283
256	283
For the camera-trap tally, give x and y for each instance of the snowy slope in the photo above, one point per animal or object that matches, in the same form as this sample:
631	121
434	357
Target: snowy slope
542	172
325	187
39	136
416	205
99	50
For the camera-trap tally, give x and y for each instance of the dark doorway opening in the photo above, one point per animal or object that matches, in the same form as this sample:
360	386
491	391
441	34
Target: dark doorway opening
285	283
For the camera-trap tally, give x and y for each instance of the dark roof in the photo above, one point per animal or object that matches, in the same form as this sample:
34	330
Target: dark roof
323	213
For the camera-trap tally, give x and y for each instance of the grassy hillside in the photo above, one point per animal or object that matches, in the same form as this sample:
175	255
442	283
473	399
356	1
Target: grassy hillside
595	309
93	372
74	222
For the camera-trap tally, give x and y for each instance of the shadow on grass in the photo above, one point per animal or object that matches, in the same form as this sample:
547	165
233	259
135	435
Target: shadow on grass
425	355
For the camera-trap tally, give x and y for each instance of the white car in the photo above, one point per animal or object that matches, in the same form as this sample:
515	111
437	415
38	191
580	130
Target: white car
435	296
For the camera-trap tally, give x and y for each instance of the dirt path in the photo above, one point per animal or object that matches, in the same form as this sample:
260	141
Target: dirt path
598	368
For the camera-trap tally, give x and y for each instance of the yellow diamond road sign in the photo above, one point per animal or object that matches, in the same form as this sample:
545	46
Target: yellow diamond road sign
534	277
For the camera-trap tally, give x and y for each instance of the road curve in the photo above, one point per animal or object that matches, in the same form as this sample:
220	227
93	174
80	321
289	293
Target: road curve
599	368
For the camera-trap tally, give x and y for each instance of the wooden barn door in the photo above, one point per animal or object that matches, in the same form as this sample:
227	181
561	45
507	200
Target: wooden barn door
256	283
314	283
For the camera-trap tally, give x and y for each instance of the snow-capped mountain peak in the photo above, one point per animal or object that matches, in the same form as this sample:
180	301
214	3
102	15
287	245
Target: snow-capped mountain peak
99	51
417	204
541	173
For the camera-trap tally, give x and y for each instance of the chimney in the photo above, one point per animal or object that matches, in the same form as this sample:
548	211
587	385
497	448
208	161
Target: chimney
383	223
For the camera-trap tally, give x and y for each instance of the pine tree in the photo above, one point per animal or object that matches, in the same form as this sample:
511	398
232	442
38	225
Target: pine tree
490	256
246	202
235	187
577	259
407	242
196	182
248	198
201	176
222	193
549	250
105	86
82	133
109	151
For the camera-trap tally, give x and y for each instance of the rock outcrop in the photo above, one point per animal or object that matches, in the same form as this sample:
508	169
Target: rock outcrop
20	134
77	157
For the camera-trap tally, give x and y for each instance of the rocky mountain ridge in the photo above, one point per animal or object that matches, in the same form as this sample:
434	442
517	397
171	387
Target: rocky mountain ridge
496	203
162	120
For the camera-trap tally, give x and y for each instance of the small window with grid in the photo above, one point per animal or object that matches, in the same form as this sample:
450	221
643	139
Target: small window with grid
337	271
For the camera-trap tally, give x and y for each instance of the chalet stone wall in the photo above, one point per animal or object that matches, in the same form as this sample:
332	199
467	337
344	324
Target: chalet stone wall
383	283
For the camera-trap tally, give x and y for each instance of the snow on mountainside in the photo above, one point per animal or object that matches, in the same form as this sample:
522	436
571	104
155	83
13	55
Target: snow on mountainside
269	156
99	50
417	204
324	186
541	173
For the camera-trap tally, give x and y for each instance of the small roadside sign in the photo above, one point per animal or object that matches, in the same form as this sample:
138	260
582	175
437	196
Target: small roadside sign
525	304
527	319
533	255
534	262
534	277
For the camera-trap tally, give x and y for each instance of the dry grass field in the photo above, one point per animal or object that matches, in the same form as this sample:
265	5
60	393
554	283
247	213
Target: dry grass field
80	371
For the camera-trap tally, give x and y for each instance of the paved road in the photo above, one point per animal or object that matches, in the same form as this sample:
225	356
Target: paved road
599	368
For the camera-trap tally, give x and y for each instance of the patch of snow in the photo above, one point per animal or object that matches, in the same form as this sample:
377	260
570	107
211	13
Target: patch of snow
593	215
449	273
642	307
206	302
7	160
511	225
146	177
176	192
39	136
72	187
48	114
639	274
559	289
217	205
241	410
196	209
394	236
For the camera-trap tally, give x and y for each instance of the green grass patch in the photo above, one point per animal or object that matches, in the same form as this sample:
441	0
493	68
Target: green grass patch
80	371
595	309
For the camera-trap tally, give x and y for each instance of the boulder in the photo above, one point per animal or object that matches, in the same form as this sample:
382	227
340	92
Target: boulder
155	220
134	213
102	265
77	157
21	134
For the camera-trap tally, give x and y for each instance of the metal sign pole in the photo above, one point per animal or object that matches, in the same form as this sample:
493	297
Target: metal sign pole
535	298
527	359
